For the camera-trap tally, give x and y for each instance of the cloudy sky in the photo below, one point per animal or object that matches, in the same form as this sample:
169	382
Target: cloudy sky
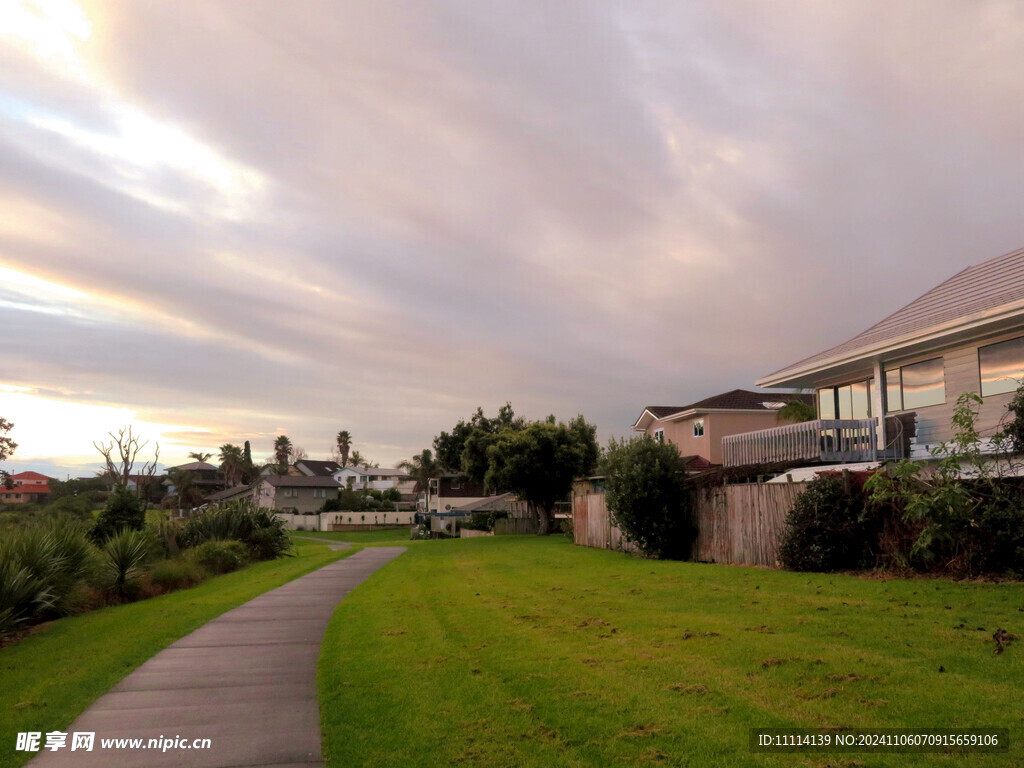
223	221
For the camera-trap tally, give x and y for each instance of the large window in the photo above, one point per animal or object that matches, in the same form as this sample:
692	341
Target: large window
1002	366
915	386
659	435
698	427
850	401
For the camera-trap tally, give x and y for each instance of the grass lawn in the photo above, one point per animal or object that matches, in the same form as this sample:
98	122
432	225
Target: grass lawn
52	676
358	537
519	651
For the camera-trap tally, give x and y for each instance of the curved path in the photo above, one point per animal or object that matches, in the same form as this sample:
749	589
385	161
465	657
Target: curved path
246	681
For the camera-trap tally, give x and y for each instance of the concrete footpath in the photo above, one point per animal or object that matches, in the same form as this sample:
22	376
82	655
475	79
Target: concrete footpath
246	681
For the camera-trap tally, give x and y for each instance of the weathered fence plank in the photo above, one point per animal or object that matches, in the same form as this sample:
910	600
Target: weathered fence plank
515	526
739	524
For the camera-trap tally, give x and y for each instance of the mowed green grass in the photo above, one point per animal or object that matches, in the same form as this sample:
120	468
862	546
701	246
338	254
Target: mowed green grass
389	536
50	677
524	651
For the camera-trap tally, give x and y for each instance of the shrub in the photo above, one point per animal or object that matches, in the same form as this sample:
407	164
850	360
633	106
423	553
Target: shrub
123	510
125	554
219	556
177	573
165	534
646	493
22	595
825	530
59	558
76	507
259	529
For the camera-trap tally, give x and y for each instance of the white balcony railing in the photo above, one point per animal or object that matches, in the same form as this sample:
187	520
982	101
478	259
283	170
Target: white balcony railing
833	440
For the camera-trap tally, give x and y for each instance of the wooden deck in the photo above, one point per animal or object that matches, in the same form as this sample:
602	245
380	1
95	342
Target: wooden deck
827	440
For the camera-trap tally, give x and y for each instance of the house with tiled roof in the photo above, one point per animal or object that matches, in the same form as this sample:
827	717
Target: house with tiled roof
296	494
906	371
697	429
26	488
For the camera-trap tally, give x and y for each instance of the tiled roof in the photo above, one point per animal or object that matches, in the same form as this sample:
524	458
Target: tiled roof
195	466
320	468
228	493
735	400
965	296
300	481
661	411
30	475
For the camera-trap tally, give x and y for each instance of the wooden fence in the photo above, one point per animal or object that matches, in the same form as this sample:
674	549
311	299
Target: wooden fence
515	526
592	525
737	524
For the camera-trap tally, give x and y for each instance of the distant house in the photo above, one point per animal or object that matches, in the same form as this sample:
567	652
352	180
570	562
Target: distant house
902	376
370	478
235	493
697	429
448	492
205	477
28	487
295	494
311	468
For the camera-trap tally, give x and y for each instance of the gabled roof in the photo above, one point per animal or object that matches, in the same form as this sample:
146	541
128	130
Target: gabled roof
299	481
317	468
229	493
30	475
985	293
734	400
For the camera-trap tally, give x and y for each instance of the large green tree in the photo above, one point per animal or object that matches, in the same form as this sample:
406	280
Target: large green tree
465	447
540	462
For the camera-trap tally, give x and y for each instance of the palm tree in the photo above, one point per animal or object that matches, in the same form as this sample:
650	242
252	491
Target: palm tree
184	488
357	459
796	411
344	440
422	468
282	453
232	464
199	456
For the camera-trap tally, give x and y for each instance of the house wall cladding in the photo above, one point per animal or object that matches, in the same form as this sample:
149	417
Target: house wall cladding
736	524
962	374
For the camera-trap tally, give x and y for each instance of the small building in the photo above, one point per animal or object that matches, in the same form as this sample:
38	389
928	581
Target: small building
294	494
697	429
447	492
26	488
206	478
370	478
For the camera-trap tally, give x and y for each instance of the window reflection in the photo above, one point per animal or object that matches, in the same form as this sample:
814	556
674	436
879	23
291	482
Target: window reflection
893	390
923	384
1002	366
827	403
